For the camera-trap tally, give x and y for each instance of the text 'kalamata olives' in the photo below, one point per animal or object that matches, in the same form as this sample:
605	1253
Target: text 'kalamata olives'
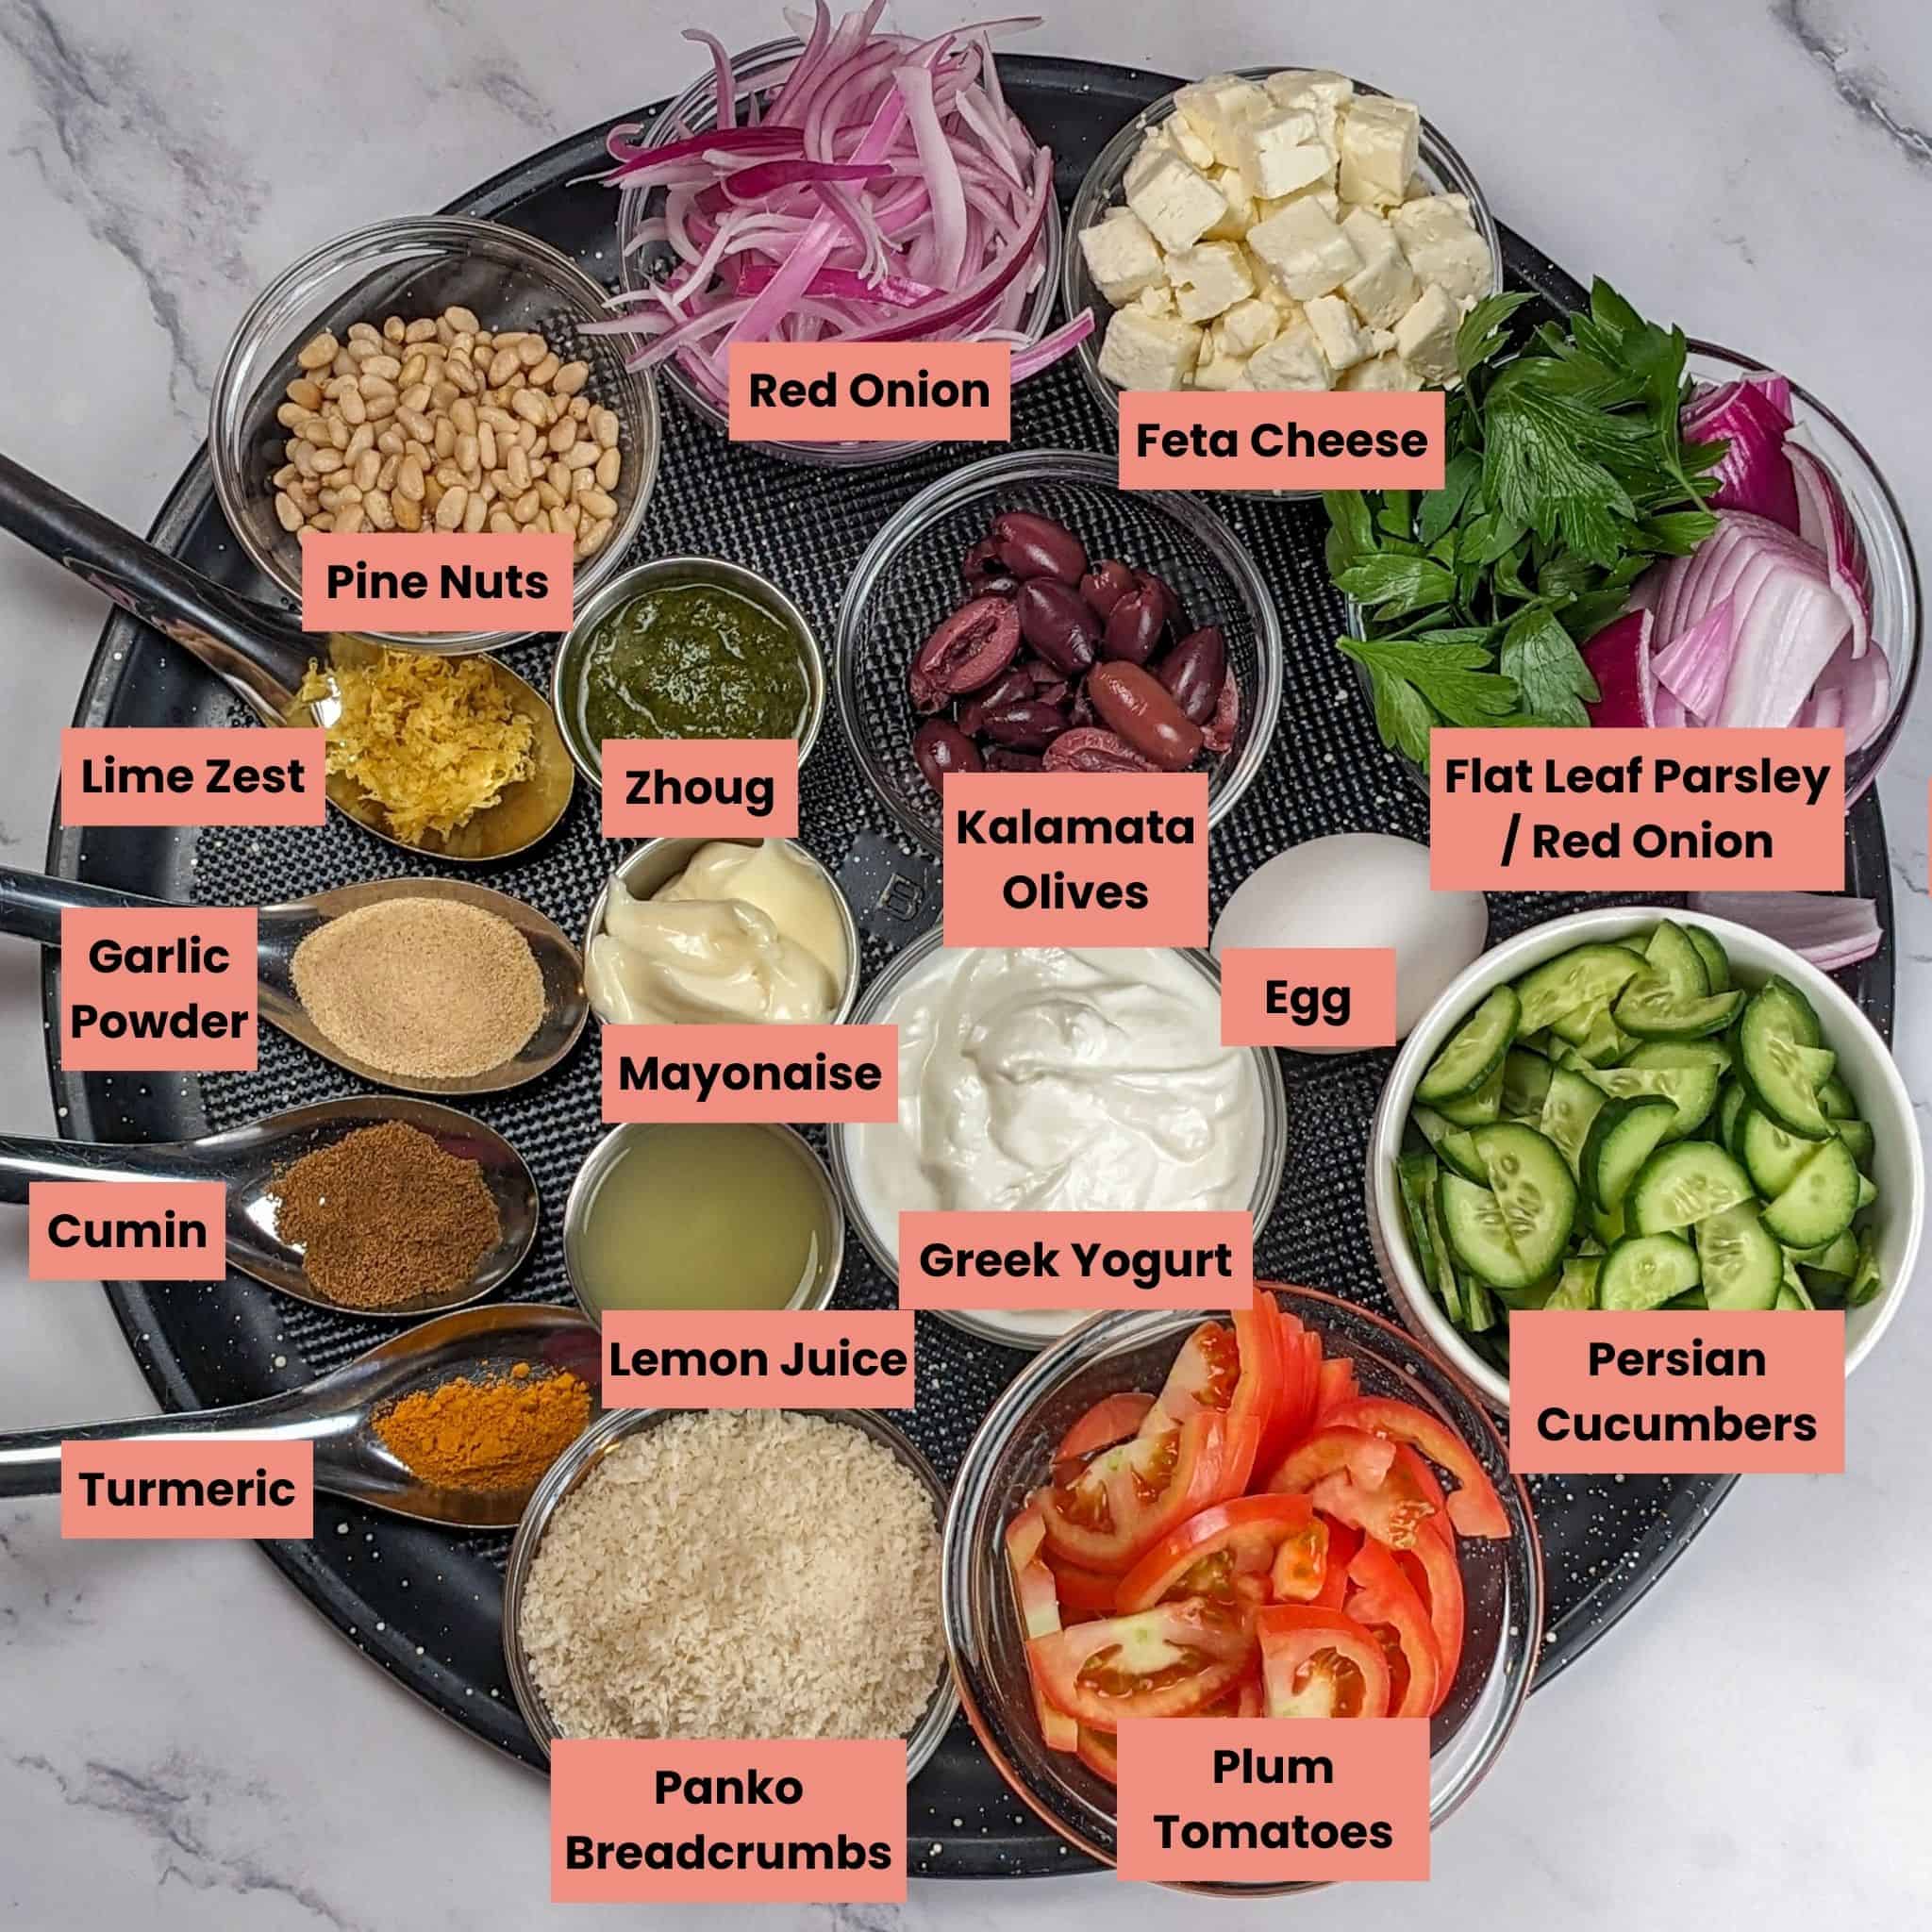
1132	704
1056	624
1192	671
1035	546
970	648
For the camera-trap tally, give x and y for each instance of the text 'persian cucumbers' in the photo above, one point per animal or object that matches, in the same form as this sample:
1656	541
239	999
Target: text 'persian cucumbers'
1627	1126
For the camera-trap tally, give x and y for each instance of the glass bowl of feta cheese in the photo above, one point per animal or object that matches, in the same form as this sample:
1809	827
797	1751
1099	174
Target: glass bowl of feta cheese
1276	229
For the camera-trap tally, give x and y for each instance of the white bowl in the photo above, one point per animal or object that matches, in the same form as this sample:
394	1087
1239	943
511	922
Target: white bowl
1864	1060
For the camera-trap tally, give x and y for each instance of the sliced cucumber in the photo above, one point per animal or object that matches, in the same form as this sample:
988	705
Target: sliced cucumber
1868	1190
1741	1266
1606	1042
1731	1102
1771	1156
1774	1038
1533	1185
1577	1287
1839	1258
1478	1234
1579	1025
1856	1135
1584	977
1653	1009
1646	1271
1835	1100
1525	1080
1450	1143
1692	1090
1482	1309
1569	1108
1867	1282
1717	962
1683	1184
1415	1174
1713	1053
1444	1279
1474	1050
1818	1203
1623	1135
1475	1110
1673	959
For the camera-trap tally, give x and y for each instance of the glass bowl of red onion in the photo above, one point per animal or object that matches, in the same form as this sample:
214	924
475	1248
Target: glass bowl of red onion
845	201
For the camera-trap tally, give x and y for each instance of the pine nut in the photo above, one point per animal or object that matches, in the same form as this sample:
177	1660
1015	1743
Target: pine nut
409	478
421	330
375	507
609	466
570	379
474	510
408	513
305	392
392	329
449	513
286	512
318	352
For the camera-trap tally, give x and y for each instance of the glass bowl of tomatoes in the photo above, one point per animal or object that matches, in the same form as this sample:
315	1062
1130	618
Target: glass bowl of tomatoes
1293	1511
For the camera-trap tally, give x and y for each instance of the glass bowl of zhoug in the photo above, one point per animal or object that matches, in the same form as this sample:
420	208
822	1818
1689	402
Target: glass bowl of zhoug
687	647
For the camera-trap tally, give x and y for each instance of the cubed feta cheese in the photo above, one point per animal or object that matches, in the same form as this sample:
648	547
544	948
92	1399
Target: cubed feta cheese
1293	360
1122	256
1221	372
1159	300
1321	92
1383	286
1208	277
1378	149
1281	150
1176	202
1342	344
1425	337
1215	107
1442	246
1322	194
1241	214
1386	370
1144	351
1246	327
1195	146
1304	252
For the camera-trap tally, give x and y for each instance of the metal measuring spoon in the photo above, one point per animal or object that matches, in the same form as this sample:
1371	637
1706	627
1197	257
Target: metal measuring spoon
31	904
263	655
337	1412
249	1158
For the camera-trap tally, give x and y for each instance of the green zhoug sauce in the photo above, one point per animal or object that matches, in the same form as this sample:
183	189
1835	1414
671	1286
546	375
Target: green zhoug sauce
693	660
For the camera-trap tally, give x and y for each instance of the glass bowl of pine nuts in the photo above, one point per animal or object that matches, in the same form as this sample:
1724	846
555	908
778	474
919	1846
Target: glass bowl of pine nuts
432	373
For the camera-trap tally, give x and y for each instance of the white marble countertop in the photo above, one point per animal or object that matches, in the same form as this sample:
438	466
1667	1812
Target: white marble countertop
182	1740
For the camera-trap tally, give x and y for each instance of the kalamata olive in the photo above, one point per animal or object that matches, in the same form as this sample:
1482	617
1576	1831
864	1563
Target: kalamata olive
1192	672
940	746
1176	611
1033	546
980	562
1105	585
970	649
1134	705
1043	674
1055	694
1031	726
1003	757
1087	748
1056	624
1218	733
1134	627
1011	687
1081	711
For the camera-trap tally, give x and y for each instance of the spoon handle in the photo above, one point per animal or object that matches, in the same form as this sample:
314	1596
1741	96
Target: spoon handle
23	1160
31	902
30	1460
260	652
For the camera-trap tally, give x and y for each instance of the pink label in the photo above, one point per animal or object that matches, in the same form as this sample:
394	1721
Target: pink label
1075	858
1077	1260
428	582
1673	1392
163	989
1268	1800
798	1821
751	1359
1307	996
127	774
127	1230
700	788
1272	440
1637	810
870	392
180	1488
792	1073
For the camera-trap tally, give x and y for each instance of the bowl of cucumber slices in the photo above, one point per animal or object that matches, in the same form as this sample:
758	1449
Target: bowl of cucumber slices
1638	1108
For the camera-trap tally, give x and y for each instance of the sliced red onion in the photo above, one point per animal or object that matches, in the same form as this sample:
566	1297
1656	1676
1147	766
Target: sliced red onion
1695	666
1753	416
1826	929
1825	522
1618	660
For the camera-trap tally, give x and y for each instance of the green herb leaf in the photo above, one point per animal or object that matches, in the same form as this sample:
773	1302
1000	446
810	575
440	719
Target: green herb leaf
1481	335
1450	674
1549	671
1397	585
1441	508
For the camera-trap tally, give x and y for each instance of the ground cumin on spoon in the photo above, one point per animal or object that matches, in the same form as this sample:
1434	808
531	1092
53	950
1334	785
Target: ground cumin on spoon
494	1434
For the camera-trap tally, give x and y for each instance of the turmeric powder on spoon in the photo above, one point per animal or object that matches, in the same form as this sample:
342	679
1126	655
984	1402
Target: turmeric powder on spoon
495	1435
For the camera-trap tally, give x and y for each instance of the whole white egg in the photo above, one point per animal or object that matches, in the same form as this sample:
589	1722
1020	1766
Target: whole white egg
1362	889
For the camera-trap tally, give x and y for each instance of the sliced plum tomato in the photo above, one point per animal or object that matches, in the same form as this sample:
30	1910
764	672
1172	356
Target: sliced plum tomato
1084	1594
1038	1601
1126	1498
1410	1475
1398	1511
1337	1386
1385	1600
1301	1560
1214	1553
1330	1449
1170	1661
1318	1662
1436	1572
1292	1413
1237	1371
1113	1418
1100	1753
1344	1541
1244	1699
1474	1507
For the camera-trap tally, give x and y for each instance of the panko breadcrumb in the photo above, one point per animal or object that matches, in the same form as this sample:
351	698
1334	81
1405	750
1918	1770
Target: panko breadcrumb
739	1574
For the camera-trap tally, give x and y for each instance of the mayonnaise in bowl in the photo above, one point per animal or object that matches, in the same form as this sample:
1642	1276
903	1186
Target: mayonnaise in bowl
1053	1079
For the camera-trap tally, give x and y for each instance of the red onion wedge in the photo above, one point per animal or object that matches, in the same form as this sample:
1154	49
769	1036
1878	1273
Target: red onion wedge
1829	930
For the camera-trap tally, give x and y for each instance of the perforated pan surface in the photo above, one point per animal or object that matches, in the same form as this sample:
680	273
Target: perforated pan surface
425	1605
